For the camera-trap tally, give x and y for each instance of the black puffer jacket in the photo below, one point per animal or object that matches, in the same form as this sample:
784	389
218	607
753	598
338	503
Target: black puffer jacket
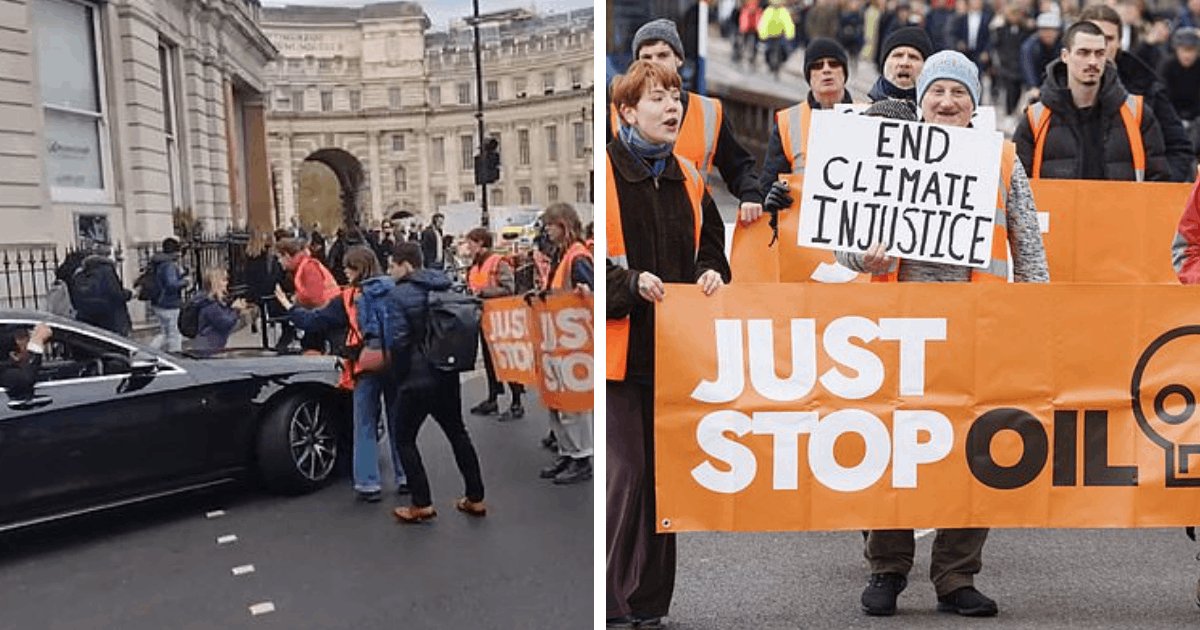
1079	146
1139	78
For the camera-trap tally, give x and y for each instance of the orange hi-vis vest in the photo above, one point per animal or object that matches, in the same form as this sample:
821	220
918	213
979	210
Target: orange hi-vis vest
617	343
354	338
483	275
1131	115
997	270
698	134
793	125
562	274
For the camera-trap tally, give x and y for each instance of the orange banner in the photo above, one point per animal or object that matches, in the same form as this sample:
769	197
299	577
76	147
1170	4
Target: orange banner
1095	232
815	407
548	345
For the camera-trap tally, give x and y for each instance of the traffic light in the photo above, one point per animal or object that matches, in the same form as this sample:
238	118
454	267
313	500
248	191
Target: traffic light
487	165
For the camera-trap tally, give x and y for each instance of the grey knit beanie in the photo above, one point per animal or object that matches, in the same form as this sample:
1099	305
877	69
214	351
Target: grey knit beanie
896	108
662	30
949	64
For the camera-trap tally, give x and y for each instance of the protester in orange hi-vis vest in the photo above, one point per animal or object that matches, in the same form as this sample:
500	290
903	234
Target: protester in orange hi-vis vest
573	271
366	284
315	287
661	226
948	92
1087	126
491	276
706	138
826	69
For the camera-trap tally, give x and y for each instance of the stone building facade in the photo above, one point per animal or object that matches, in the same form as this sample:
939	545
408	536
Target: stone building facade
114	115
389	107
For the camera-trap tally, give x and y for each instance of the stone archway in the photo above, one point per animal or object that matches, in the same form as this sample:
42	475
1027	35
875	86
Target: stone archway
331	182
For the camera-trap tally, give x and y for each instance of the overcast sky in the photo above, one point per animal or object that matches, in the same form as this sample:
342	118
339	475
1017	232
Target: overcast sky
441	12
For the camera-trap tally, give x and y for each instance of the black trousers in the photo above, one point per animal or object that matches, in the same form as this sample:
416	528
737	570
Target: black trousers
443	401
495	387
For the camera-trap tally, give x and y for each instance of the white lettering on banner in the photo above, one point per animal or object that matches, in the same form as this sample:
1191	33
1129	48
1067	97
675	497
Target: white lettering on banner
509	329
567	329
572	372
739	466
867	370
921	189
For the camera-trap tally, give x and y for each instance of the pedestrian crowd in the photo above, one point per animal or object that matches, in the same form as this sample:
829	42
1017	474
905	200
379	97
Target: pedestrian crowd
1095	107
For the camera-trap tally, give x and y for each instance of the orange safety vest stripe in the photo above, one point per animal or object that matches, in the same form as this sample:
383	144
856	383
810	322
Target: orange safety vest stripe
793	123
997	270
617	330
1131	110
353	338
482	276
562	273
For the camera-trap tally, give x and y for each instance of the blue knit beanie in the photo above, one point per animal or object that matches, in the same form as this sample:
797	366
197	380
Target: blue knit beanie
952	65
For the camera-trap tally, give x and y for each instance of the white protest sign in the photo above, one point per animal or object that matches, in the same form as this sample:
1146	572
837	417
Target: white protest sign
927	191
983	118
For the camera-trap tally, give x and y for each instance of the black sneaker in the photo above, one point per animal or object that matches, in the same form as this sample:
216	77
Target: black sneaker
967	602
643	622
485	408
550	442
515	412
576	471
560	464
619	622
879	598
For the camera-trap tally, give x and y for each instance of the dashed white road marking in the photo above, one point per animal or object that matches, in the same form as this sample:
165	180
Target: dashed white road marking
215	514
244	569
921	533
226	539
262	608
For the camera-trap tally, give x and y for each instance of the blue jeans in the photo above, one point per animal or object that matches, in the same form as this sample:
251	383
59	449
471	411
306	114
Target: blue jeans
367	391
168	320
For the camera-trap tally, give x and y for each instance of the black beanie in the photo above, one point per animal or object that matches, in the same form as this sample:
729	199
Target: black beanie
823	48
911	36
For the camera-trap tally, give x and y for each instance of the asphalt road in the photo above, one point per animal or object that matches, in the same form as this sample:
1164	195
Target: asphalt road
1040	578
323	561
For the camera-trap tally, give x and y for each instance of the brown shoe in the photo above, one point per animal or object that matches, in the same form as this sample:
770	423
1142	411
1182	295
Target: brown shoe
474	508
413	514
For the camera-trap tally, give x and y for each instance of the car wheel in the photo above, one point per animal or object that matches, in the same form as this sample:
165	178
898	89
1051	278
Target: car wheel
298	444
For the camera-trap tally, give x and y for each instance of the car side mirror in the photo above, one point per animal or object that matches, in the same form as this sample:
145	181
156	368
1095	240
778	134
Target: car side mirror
36	401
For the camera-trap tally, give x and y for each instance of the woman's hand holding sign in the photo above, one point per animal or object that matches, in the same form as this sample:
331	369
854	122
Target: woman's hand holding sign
650	287
710	281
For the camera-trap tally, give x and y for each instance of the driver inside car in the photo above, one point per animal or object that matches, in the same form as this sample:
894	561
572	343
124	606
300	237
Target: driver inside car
23	352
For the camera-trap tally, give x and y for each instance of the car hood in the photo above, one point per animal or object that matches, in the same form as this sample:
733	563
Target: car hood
257	362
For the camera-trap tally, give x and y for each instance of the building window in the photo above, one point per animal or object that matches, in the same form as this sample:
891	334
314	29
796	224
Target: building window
170	96
72	95
467	146
435	96
297	100
493	90
469	196
526	195
355	100
439	155
464	93
576	77
397	142
552	193
295	65
394	98
401	177
439	200
498	197
547	82
580	192
519	86
326	100
523	147
580	140
324	64
551	143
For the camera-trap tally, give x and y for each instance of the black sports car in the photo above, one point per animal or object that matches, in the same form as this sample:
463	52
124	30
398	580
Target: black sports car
111	422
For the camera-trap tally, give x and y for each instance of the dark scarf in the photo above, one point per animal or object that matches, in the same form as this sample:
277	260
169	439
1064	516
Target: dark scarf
654	156
886	89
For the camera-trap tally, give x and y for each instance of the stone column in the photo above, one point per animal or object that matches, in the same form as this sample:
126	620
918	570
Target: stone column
289	187
376	176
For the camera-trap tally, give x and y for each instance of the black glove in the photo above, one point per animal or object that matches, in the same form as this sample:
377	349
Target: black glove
778	198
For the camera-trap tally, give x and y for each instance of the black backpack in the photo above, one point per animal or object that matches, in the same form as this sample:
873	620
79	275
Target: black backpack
452	331
87	293
189	318
147	283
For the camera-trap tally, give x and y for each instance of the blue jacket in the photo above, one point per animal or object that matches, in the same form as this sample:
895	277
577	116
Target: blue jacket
411	294
217	322
371	307
170	281
1035	58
